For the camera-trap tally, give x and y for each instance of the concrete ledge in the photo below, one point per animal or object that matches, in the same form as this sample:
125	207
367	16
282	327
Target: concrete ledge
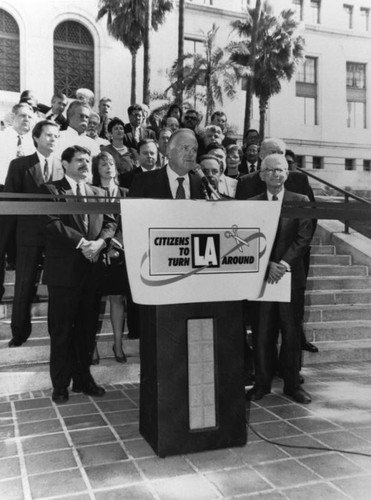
355	244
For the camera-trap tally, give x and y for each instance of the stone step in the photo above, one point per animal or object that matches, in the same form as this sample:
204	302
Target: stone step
338	331
35	376
328	270
338	283
40	327
336	260
41	295
330	313
323	250
37	350
346	297
339	351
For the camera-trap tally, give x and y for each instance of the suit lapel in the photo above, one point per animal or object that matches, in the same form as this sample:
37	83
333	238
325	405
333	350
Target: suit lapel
65	189
35	170
164	184
93	217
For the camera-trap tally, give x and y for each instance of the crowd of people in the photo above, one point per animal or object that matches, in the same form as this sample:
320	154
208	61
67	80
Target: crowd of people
75	148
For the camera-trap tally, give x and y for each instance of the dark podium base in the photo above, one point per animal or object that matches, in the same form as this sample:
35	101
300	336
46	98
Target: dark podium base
191	386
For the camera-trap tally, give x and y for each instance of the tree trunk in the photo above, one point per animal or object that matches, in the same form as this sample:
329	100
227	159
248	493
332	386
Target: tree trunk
133	96
263	105
250	79
147	53
179	97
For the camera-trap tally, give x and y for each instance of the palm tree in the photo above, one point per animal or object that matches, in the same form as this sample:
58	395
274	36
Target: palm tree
278	52
126	23
211	70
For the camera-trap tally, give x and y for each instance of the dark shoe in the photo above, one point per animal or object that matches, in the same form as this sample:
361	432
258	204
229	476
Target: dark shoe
299	395
119	359
13	342
307	346
248	378
60	395
95	358
91	389
256	394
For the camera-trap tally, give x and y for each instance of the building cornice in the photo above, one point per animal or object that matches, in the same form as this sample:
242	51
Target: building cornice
323	30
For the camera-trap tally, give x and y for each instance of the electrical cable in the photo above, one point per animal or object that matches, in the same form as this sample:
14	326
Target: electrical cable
320	448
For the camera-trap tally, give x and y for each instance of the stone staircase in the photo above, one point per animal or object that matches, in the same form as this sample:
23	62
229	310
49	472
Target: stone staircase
337	312
337	320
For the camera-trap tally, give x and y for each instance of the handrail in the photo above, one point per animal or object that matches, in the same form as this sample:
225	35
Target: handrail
346	194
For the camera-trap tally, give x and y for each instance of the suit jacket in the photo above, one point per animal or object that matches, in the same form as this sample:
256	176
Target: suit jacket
155	184
129	139
251	185
126	179
25	176
60	119
64	263
292	240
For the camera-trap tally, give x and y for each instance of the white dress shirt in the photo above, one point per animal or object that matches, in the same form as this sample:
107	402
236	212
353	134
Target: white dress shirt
173	176
8	149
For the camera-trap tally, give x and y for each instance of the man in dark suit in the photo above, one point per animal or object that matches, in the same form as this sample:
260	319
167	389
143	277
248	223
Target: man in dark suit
72	273
173	181
292	240
55	113
134	131
25	175
147	156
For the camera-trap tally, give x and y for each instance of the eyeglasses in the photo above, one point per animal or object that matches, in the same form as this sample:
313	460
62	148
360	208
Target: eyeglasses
276	171
194	118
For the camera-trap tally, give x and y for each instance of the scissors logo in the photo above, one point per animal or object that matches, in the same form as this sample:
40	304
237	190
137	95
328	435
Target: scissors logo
234	234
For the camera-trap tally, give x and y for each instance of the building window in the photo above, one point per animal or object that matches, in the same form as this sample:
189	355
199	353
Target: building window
297	7
356	95
195	47
317	162
73	58
300	161
315	8
348	11
365	16
367	165
356	75
349	164
9	53
306	91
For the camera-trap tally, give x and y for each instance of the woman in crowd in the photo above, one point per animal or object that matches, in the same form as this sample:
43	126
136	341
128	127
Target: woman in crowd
125	158
175	111
233	161
115	282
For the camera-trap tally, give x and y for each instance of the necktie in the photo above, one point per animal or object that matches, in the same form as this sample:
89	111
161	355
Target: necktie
46	171
274	198
19	147
80	198
180	192
252	168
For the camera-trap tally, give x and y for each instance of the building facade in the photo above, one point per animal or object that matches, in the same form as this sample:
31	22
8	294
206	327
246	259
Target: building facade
323	114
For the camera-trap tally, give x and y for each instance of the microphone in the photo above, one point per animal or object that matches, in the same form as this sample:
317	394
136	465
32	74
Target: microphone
213	193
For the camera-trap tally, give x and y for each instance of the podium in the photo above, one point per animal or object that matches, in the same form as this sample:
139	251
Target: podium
192	394
190	265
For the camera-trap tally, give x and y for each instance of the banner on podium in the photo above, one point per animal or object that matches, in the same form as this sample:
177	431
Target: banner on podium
183	251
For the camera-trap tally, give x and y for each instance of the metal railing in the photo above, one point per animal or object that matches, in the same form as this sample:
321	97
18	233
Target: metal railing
347	194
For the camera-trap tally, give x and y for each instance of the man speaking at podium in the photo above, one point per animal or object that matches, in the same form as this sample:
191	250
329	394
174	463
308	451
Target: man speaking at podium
174	180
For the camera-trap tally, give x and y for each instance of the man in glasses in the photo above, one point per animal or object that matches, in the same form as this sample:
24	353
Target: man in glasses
291	243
